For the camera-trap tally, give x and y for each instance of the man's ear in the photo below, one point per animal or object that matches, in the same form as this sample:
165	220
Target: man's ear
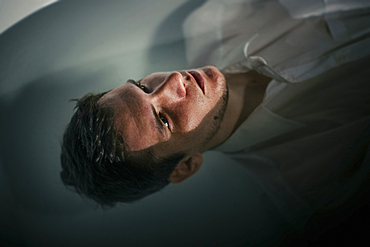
186	167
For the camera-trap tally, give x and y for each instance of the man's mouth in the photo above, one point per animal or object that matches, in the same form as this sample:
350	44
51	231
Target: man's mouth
198	78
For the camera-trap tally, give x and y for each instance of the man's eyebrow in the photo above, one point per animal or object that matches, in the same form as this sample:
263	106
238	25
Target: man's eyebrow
136	83
159	123
132	81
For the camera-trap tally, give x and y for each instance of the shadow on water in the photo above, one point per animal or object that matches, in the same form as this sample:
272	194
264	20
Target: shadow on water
30	139
171	55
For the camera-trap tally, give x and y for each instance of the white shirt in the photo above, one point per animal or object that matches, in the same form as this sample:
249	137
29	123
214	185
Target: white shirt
313	123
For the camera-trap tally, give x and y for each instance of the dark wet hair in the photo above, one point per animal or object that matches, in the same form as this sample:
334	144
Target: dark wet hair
95	162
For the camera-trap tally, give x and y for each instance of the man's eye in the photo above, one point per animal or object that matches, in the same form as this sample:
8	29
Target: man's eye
138	84
144	88
164	120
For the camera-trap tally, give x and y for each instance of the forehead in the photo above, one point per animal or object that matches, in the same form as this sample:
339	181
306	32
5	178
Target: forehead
133	118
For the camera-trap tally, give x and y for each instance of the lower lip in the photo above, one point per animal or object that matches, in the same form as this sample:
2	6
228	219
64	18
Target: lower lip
211	72
199	78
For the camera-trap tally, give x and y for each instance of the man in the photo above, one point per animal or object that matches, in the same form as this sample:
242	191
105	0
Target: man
295	114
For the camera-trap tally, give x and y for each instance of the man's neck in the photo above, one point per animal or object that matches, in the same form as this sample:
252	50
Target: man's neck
246	92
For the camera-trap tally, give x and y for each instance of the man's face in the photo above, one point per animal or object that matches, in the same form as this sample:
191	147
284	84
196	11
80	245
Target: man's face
169	112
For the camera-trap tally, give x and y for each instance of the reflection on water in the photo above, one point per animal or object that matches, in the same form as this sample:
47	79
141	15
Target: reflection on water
71	48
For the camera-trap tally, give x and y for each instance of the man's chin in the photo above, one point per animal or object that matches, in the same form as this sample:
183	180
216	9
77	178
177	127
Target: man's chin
218	117
214	77
224	101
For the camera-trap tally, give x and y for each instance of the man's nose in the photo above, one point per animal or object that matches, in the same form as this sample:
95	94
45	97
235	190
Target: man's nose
172	89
